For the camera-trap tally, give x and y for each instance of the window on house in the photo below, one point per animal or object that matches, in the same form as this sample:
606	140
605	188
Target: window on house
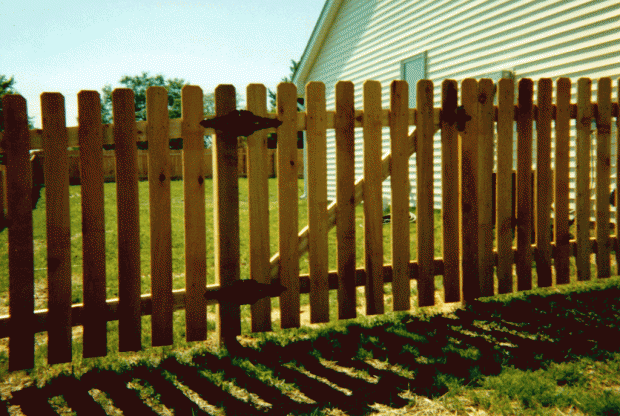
412	70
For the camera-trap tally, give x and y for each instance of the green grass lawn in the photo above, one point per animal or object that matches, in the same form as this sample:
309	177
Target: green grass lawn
543	358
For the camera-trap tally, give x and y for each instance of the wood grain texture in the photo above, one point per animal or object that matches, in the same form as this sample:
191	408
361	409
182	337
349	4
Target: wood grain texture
561	182
286	99
543	182
503	223
485	176
372	136
226	216
129	325
603	162
194	203
373	202
57	227
93	224
525	116
400	189
16	142
425	211
582	181
159	210
469	192
318	250
450	191
258	200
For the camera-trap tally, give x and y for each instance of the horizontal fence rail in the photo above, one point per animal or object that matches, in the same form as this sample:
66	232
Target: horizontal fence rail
480	206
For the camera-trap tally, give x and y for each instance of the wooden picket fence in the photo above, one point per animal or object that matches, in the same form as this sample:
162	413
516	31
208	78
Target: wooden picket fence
467	133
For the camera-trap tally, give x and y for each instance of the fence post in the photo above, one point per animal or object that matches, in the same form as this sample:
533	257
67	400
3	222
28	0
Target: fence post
21	252
485	174
58	227
226	213
582	181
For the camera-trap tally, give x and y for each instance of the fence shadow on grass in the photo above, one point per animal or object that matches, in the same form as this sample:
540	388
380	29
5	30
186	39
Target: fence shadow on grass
526	332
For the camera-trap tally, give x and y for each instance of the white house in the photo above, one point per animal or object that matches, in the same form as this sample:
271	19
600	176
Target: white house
386	40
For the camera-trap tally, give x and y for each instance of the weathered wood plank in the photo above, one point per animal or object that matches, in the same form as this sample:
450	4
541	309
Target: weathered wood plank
130	325
373	202
561	183
374	233
258	200
21	252
93	224
194	201
450	191
617	201
543	182
288	205
603	148
503	223
486	132
160	220
57	227
400	190
318	250
582	181
226	216
425	211
525	116
469	192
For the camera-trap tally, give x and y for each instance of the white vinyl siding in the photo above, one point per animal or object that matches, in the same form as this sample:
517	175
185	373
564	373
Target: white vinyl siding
371	39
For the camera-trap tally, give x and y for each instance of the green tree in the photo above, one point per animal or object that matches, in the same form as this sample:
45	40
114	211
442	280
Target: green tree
6	87
140	83
272	95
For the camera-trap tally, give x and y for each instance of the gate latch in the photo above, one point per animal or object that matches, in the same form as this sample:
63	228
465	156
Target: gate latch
240	123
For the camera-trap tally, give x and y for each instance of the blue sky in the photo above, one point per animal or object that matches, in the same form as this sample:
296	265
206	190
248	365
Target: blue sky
68	46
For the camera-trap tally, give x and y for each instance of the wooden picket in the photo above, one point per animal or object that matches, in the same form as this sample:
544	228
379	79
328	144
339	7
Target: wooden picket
373	201
159	210
58	228
128	211
603	148
485	174
399	208
543	182
258	200
21	252
425	211
93	224
561	185
195	227
450	191
503	222
469	191
582	181
373	235
318	248
467	134
525	116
